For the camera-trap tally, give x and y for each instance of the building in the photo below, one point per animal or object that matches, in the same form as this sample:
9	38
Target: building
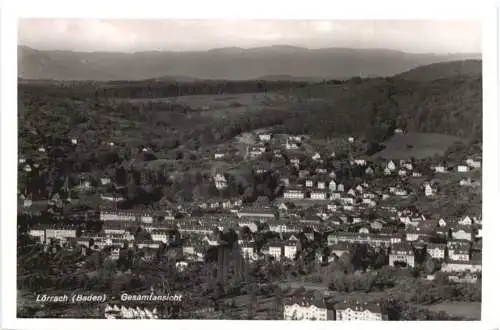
439	169
306	308
462	233
117	215
473	163
436	251
401	255
266	137
358	311
461	266
293	194
462	169
457	249
290	250
220	181
318	195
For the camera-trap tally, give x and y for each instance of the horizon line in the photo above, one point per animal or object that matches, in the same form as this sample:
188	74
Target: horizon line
243	49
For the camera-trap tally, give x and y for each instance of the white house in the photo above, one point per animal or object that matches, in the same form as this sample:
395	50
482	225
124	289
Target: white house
473	163
321	185
358	312
265	137
290	250
332	185
439	169
316	156
220	181
306	308
293	194
391	166
350	139
462	168
429	191
318	195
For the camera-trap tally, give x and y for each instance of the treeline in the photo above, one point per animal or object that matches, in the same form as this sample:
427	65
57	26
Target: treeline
153	89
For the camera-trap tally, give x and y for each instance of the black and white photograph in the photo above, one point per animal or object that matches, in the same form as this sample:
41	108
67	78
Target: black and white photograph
249	169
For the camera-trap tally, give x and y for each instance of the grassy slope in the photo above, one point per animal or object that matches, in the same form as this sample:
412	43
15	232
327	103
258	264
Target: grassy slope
424	145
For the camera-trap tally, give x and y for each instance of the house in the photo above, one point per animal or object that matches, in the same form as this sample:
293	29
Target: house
473	163
265	137
391	166
318	195
290	249
61	233
398	131
461	266
116	215
350	139
316	157
274	249
307	308
37	233
309	183
220	181
465	221
160	236
401	254
340	187
439	169
436	251
321	185
248	250
428	190
332	185
369	171
463	278
465	182
402	172
105	181
458	250
360	162
462	232
462	169
358	311
257	213
291	145
74	141
219	155
112	197
293	194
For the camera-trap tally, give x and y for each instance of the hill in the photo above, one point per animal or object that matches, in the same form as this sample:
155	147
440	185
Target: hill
222	64
444	70
417	145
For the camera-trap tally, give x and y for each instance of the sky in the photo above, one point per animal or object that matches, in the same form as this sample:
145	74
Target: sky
126	35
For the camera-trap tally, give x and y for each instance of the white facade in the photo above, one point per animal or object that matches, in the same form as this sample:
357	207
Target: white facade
38	233
290	251
310	312
116	216
275	251
461	234
349	314
293	194
436	253
462	168
318	195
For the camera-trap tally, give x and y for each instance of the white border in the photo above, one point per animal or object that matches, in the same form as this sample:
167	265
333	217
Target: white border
428	9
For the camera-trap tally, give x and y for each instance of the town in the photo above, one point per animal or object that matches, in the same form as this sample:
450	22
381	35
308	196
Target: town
338	215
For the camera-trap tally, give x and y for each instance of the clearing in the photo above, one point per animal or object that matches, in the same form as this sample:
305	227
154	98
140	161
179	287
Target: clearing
417	145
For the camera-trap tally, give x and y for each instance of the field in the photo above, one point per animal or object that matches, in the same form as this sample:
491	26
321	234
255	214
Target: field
418	145
469	310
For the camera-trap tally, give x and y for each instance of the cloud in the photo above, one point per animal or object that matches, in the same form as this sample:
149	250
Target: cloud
134	35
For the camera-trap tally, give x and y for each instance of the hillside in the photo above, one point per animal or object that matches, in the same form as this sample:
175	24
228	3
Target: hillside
444	70
374	107
224	63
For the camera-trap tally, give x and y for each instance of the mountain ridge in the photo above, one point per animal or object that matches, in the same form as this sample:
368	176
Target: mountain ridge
230	63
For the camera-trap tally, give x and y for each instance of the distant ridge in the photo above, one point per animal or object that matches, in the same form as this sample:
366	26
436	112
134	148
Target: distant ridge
444	70
223	63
